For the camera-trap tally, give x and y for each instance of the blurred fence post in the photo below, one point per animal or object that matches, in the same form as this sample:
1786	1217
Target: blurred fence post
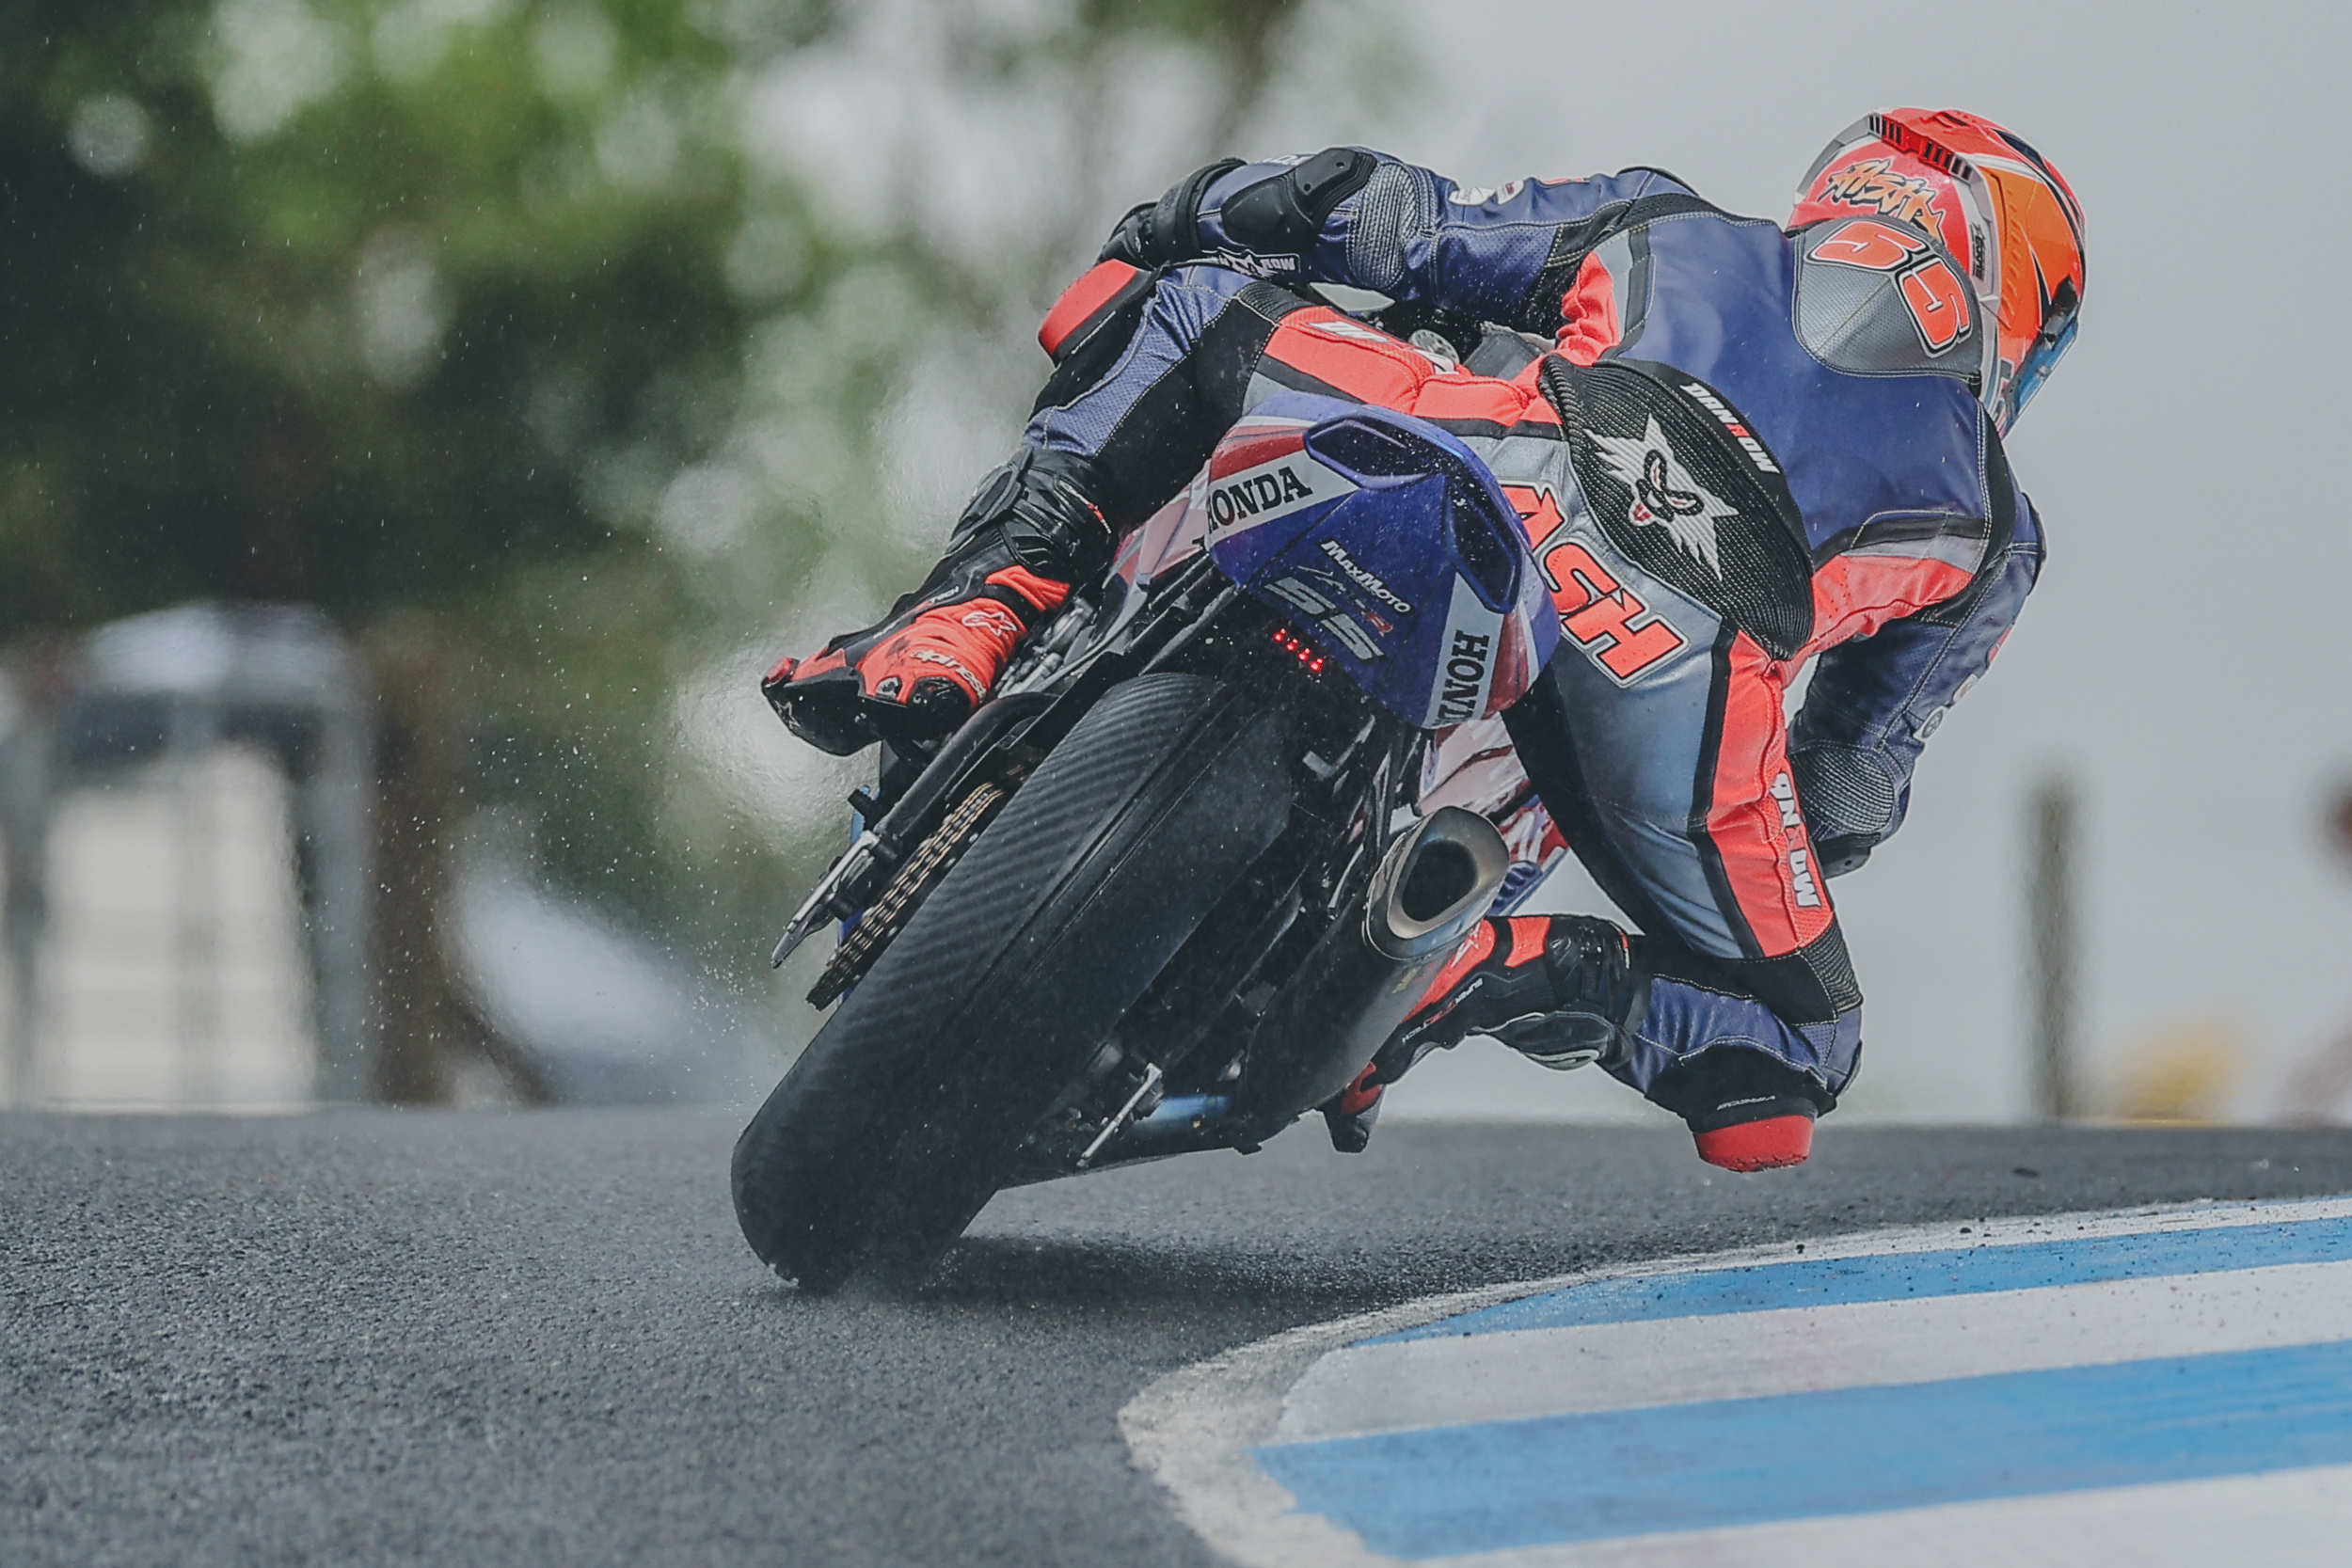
2051	922
24	822
334	801
169	688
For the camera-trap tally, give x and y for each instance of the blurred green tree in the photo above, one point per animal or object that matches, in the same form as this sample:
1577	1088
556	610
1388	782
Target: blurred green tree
471	321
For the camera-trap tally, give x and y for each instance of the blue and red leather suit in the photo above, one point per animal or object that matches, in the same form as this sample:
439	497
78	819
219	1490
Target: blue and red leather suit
1742	451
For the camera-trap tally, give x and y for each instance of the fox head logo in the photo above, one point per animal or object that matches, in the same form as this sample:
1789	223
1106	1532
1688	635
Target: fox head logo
1665	493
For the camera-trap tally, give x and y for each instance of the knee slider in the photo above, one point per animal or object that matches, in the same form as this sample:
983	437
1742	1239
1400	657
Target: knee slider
1283	215
1728	1084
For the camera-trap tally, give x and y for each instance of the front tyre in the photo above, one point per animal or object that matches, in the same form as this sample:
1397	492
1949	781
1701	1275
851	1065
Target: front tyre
900	1119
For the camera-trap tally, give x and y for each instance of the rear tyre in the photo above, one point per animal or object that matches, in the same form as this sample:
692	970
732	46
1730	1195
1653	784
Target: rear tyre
905	1113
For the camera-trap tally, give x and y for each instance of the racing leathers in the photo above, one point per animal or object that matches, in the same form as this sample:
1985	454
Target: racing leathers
1735	451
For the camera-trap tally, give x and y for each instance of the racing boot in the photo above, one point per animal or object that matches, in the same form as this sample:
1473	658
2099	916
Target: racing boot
1350	1114
1556	988
1026	537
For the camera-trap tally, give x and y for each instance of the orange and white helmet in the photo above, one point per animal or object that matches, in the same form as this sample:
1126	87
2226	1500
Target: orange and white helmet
2001	209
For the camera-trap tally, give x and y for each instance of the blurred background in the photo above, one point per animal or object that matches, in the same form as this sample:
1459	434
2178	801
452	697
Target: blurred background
422	421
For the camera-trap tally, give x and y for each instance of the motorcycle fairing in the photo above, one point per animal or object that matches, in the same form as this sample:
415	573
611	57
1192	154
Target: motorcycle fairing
1386	543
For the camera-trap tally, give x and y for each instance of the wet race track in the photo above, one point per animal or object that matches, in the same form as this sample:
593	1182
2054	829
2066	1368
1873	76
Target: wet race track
485	1338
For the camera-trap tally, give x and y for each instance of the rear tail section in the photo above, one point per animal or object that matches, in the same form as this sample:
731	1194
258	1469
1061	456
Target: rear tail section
1388	546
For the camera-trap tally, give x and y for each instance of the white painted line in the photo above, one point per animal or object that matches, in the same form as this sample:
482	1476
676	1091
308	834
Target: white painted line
1623	1365
2288	1519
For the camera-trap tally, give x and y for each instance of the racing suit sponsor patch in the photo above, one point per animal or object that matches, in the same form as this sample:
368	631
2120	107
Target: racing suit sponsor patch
1618	630
1801	877
1732	427
1271	269
1665	493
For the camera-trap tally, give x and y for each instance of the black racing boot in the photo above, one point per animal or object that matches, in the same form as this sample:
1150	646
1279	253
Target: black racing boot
1028	536
1556	988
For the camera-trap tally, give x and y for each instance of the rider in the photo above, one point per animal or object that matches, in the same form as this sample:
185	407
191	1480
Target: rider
1735	447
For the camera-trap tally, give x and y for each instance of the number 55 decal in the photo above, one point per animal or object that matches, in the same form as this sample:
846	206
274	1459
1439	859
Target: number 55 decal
1933	291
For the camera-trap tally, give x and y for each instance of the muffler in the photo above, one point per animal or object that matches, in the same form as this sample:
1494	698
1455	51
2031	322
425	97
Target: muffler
1436	881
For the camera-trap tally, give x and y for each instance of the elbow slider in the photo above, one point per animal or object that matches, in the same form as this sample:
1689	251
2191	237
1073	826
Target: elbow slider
1281	215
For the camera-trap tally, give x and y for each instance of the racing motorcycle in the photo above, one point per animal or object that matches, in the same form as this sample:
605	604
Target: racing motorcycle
1173	886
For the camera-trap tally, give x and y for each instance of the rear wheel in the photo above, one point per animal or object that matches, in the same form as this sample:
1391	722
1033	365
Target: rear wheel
905	1113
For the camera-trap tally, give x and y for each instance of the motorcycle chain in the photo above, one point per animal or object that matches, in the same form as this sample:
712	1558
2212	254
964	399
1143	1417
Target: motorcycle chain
898	903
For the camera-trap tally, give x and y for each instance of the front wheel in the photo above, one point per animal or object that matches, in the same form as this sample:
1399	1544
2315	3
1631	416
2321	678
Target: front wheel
903	1115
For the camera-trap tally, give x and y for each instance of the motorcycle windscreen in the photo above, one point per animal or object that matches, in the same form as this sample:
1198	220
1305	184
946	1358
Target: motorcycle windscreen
1385	543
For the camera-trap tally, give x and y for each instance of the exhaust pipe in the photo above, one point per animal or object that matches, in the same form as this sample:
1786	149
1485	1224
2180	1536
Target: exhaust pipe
1435	883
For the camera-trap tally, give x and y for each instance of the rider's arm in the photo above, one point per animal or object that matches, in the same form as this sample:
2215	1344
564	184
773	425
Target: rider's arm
1366	220
1874	702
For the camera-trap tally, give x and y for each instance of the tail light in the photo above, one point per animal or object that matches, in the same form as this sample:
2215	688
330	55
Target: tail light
1306	653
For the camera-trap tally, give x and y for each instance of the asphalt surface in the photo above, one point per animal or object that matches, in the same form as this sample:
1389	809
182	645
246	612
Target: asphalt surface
474	1338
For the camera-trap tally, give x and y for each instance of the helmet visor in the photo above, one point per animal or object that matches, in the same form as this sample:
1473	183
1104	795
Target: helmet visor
2039	361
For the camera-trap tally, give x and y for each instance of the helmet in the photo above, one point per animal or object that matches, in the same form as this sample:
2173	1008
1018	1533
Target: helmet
2001	209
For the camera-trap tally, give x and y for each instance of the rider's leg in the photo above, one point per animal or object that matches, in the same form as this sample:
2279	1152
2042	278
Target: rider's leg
1737	1010
1133	407
1670	781
1557	988
1140	392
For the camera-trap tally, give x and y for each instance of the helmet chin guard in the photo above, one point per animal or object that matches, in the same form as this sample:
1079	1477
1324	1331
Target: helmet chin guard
2001	211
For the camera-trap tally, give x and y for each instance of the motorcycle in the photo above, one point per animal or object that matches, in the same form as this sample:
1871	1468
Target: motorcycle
1174	884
